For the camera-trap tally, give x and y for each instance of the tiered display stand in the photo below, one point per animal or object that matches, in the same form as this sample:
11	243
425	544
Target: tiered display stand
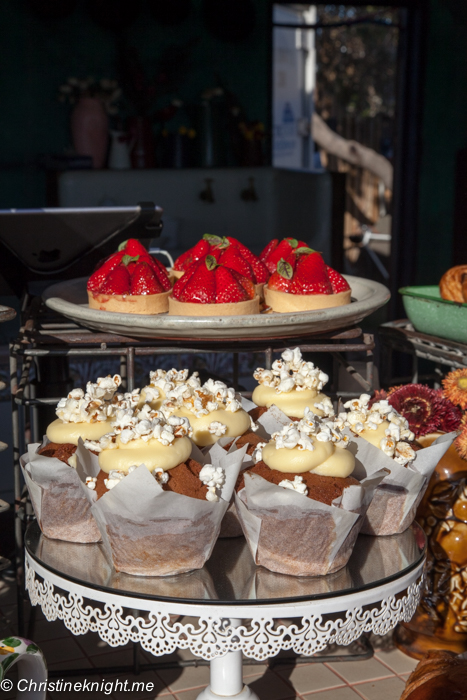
46	341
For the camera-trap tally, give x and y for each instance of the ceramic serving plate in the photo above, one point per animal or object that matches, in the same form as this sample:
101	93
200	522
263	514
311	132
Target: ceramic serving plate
432	315
70	299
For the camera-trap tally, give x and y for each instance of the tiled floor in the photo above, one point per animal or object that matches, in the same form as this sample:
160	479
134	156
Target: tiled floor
380	678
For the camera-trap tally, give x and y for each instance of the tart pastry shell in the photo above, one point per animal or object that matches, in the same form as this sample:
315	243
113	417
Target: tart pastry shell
147	304
283	302
239	308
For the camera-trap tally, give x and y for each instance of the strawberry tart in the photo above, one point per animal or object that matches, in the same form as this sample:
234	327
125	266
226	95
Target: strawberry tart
229	252
210	288
302	282
293	385
276	250
130	281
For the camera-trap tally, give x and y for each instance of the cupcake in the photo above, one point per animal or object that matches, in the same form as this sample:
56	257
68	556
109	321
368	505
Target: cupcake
209	288
293	385
130	281
381	439
61	508
87	415
213	409
300	506
158	501
139	437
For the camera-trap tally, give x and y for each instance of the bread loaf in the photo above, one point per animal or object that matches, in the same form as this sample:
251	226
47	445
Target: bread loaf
453	284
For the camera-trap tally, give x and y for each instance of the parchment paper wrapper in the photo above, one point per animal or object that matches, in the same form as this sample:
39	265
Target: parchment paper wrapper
397	497
194	584
268	423
79	561
291	534
62	510
265	585
381	558
147	531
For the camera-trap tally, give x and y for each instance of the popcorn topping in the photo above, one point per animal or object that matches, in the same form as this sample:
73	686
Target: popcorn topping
298	434
326	407
253	426
72	461
160	475
295	485
183	391
90	407
127	400
257	455
116	476
146	425
213	478
91	482
292	372
217	429
361	417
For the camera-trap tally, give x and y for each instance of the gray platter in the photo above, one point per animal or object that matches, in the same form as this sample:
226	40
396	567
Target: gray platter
70	299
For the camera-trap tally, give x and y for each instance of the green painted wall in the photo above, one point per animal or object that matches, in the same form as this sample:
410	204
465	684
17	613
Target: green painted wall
444	132
37	56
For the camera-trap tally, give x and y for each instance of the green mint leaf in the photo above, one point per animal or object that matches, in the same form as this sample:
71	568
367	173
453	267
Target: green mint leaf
304	250
212	240
285	269
293	243
211	262
122	245
127	259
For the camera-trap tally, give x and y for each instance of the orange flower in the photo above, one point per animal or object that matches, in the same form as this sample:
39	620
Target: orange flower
455	387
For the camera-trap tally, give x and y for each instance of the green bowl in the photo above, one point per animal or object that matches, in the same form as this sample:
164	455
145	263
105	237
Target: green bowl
435	316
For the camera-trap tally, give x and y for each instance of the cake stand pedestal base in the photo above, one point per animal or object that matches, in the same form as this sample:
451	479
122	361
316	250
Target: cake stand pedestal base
245	694
226	678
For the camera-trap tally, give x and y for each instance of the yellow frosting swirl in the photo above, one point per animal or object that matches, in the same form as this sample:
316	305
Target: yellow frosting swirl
326	459
237	422
375	436
152	453
292	403
62	433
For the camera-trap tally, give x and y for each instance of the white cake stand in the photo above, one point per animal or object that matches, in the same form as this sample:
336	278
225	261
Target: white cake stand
240	608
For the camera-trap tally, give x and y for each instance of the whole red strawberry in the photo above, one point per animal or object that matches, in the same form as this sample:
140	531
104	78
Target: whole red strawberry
282	250
133	247
259	268
272	245
338	283
116	282
98	277
310	275
230	257
198	284
144	281
198	251
281	279
232	287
